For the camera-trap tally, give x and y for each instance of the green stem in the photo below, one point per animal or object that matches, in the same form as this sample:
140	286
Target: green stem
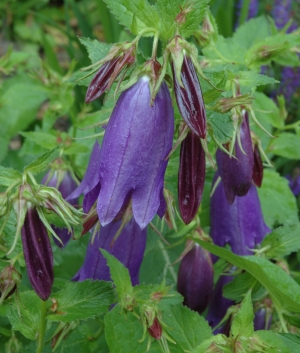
43	322
154	47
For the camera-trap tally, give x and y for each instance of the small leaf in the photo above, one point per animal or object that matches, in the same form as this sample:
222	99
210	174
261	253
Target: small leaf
42	162
236	289
251	79
221	124
282	241
286	145
291	340
82	300
168	10
9	176
273	341
43	139
96	50
242	324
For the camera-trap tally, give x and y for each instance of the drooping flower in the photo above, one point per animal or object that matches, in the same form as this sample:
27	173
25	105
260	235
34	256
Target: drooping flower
191	176
65	184
189	97
241	225
37	253
131	163
236	171
196	278
128	248
218	306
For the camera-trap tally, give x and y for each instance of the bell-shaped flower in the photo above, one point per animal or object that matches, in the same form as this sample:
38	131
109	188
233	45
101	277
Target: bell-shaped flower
128	248
241	225
130	165
236	171
37	253
196	278
65	184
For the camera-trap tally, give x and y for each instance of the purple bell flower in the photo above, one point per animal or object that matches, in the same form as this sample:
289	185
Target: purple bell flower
236	173
128	248
66	185
196	278
131	163
241	225
218	306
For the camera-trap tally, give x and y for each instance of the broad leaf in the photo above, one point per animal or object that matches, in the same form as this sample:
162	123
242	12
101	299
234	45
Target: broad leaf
242	324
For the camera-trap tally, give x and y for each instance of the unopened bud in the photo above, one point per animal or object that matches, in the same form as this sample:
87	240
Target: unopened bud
9	279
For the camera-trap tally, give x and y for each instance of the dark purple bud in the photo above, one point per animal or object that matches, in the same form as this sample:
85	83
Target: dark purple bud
63	182
107	74
241	225
155	329
236	173
9	279
191	176
132	164
262	321
258	168
294	182
189	98
196	278
37	253
218	306
128	248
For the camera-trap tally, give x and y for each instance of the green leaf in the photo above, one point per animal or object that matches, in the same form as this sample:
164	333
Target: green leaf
194	17
168	10
25	315
96	50
82	300
273	342
186	327
42	162
236	289
119	274
123	332
221	126
9	176
277	200
291	340
269	111
242	324
219	79
144	14
251	79
286	145
282	241
284	291
43	139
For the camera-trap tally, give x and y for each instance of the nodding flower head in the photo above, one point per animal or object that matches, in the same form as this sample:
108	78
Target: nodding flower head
128	248
236	171
241	225
130	166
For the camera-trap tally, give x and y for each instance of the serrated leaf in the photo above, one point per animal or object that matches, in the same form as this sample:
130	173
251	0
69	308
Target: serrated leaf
43	139
236	289
194	17
219	79
286	145
42	162
268	110
82	300
242	324
168	10
144	14
186	327
221	124
96	50
277	200
25	316
282	241
284	291
123	332
273	342
9	176
291	340
251	79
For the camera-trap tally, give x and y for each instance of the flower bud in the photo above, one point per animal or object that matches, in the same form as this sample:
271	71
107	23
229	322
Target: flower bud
155	329
191	176
241	225
236	171
189	97
65	184
9	279
120	57
258	168
195	278
262	321
128	248
294	182
37	253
